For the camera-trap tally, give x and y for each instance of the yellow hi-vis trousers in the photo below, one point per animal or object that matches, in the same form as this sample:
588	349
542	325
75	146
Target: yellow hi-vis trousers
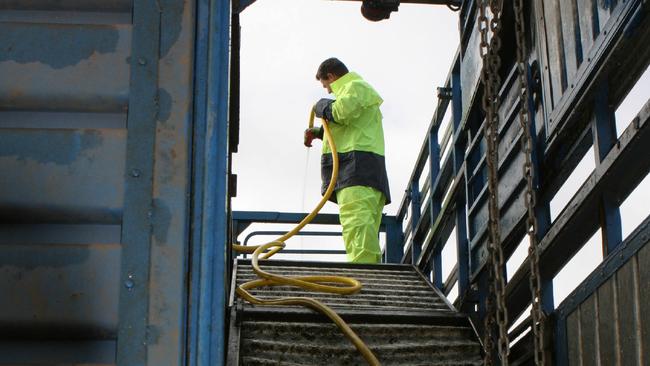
360	210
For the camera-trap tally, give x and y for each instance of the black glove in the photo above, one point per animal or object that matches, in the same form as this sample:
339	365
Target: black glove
323	109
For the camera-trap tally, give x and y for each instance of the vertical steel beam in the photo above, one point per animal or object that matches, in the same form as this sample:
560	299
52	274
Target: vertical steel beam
198	176
561	352
434	172
542	207
416	246
604	137
435	202
210	187
462	243
394	240
136	221
436	266
215	218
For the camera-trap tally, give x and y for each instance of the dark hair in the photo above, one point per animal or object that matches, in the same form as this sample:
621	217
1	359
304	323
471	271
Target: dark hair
331	66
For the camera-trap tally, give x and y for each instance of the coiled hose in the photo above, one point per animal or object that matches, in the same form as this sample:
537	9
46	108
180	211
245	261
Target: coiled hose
348	286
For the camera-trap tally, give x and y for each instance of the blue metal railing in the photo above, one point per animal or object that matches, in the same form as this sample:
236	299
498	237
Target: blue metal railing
300	233
452	193
241	220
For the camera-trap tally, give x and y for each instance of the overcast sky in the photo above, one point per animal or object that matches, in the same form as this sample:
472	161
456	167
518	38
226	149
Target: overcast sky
283	42
405	58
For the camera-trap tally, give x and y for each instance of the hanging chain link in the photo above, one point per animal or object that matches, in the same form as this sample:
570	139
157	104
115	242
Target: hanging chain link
489	50
489	321
529	199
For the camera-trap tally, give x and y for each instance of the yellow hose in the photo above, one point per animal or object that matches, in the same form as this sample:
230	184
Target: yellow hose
314	283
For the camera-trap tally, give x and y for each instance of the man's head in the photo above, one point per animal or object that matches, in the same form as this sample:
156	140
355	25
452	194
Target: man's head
329	71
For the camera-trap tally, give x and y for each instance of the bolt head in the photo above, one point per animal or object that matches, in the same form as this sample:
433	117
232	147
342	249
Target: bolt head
129	284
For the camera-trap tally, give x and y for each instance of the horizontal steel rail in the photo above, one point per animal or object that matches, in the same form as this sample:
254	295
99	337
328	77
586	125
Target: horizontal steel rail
241	220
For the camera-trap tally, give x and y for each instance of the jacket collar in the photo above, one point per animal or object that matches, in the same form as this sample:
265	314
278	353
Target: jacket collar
338	84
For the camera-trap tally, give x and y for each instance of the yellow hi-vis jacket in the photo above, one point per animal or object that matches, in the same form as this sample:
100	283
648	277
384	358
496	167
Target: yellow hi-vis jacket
359	137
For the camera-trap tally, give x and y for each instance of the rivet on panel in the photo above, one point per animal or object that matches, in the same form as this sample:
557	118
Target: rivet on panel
129	283
135	173
142	61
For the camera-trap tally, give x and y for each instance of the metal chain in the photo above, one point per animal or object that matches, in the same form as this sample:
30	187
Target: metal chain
489	321
529	199
492	83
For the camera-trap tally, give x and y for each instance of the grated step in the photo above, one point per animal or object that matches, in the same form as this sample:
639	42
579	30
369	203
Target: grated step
323	344
399	315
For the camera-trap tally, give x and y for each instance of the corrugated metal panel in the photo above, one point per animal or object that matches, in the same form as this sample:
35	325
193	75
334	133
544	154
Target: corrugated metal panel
65	67
401	317
608	337
610	327
55	290
626	282
95	139
63	104
62	175
588	332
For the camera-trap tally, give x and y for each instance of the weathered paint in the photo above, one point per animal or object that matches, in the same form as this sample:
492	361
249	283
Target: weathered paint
167	325
135	272
55	292
57	5
173	14
80	82
95	142
58	175
25	43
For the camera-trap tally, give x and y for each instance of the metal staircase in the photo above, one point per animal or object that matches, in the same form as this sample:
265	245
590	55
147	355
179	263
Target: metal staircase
398	313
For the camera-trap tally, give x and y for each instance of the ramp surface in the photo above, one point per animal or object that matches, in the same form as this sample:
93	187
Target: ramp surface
401	317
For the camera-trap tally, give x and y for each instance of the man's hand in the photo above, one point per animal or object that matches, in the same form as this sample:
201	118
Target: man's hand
311	134
323	109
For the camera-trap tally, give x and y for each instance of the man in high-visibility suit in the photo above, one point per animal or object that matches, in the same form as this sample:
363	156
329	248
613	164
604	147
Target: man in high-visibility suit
362	187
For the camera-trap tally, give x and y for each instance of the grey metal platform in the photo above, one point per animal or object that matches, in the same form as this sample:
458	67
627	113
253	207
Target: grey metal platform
398	313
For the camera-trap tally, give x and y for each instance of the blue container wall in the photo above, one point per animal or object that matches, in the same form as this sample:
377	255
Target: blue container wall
97	129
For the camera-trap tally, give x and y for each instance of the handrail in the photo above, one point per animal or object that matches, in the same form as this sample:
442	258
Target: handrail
300	233
437	118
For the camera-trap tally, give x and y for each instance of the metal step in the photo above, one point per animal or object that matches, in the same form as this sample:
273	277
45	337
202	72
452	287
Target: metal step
398	313
385	287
